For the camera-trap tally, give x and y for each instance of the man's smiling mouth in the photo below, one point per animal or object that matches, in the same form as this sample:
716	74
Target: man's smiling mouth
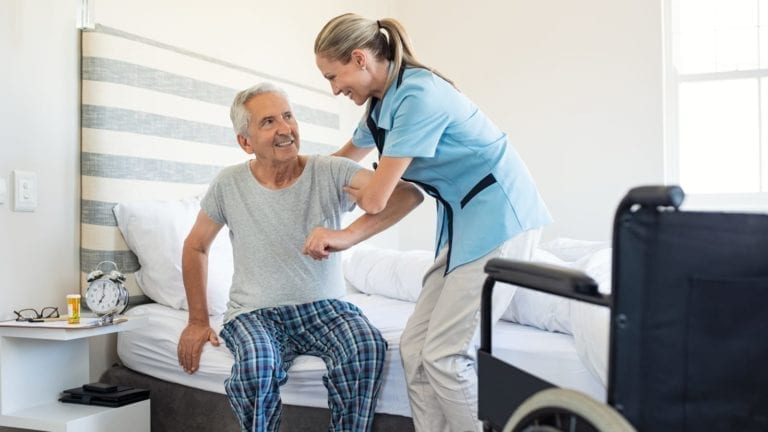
284	143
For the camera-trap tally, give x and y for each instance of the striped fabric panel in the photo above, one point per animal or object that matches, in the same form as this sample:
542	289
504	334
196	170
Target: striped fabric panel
155	125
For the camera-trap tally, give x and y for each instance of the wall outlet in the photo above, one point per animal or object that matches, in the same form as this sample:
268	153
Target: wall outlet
24	191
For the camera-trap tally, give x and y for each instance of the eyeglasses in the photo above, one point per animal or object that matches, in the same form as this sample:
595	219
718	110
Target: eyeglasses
30	314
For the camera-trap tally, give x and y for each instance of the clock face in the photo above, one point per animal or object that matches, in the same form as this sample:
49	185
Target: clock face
103	296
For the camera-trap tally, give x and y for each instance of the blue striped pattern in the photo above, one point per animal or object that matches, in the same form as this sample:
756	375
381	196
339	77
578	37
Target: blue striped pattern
265	342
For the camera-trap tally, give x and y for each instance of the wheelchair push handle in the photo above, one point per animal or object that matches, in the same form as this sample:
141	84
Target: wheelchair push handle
653	196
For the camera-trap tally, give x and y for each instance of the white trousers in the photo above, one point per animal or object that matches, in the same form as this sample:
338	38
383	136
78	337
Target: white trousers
439	343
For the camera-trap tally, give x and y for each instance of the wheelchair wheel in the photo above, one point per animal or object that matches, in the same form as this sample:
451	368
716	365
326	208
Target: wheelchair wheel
559	409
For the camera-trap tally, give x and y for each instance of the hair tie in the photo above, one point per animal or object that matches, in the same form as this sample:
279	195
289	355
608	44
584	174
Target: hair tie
378	24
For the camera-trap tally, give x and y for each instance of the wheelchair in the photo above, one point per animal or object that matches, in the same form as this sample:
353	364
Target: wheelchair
687	347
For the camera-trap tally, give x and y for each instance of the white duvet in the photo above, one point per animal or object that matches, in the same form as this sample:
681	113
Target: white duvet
397	275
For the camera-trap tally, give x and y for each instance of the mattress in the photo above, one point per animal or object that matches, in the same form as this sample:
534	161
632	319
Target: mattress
151	350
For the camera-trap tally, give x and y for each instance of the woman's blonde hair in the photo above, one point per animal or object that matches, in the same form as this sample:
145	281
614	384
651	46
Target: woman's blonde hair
347	32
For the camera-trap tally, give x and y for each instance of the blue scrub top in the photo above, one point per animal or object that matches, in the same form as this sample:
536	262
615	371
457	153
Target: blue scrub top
485	193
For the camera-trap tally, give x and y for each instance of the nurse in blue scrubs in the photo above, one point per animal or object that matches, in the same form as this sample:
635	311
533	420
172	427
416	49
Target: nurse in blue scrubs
427	132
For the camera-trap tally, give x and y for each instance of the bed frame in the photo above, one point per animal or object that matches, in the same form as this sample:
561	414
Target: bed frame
176	407
687	317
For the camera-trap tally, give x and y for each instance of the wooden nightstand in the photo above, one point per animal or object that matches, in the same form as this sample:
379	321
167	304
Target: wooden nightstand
38	362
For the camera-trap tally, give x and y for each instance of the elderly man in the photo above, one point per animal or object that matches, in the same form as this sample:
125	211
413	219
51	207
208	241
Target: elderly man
283	211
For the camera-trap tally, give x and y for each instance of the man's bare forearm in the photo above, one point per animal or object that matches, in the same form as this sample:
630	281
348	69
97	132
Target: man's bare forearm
194	264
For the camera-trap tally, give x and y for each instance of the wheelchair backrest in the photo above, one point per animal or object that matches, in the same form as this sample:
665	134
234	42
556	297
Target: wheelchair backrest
690	292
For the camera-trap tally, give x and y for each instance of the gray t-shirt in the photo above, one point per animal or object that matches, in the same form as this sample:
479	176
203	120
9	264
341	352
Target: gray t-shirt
268	228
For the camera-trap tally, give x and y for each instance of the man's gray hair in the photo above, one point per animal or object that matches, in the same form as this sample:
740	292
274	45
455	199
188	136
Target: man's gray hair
239	114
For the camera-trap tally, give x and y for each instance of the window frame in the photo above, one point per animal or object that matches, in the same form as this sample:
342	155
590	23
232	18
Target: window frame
750	202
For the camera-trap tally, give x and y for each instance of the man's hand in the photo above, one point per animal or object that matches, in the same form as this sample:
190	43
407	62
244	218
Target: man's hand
191	344
321	242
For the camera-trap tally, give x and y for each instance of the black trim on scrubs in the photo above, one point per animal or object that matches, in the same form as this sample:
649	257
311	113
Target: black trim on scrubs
476	189
434	193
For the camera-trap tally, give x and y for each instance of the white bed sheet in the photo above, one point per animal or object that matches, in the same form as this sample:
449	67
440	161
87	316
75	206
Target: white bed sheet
152	350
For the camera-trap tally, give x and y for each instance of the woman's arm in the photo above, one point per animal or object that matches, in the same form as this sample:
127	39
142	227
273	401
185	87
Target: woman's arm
322	241
351	151
374	194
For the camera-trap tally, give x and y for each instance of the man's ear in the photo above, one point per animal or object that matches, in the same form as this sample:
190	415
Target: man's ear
244	144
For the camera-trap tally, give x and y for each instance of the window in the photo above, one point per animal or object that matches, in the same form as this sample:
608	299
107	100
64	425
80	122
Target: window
717	100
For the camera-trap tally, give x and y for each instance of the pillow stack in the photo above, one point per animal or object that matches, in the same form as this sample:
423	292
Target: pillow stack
155	232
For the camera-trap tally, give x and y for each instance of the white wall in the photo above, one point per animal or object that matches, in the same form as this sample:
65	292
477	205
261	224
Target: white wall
577	85
39	132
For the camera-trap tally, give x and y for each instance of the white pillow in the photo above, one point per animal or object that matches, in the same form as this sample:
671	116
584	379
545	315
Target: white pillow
155	232
551	312
572	250
389	273
537	309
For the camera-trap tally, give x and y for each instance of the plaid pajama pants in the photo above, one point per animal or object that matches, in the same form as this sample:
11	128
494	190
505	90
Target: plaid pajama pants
264	342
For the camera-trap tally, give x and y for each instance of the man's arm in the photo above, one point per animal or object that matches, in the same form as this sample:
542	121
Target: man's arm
194	264
322	241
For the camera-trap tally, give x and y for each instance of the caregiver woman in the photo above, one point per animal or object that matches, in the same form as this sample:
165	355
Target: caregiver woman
429	133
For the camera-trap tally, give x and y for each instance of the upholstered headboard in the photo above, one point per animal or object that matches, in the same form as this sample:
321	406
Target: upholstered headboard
155	125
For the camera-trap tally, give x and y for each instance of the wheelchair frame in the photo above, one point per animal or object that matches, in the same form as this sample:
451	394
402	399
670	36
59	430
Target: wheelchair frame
648	228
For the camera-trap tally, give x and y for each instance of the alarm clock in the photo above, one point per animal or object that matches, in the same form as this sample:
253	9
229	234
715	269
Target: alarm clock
106	294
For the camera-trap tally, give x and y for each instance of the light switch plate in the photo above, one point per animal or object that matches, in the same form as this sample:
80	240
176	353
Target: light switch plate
24	191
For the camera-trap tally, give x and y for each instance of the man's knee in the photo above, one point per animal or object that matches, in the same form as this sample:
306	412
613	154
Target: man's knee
371	340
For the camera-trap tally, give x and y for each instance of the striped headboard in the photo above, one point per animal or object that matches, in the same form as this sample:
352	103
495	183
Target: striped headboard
155	125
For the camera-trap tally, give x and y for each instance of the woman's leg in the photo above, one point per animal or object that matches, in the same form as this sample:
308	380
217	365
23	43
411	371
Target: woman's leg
425	409
449	345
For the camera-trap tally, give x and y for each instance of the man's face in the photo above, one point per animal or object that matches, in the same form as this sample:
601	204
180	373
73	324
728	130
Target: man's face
273	133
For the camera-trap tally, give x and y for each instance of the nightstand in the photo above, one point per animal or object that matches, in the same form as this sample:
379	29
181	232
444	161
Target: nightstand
37	363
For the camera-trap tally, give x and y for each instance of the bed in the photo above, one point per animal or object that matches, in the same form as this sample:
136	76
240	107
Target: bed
550	337
155	130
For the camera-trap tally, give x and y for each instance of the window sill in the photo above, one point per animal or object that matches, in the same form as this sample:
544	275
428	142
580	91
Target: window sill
735	202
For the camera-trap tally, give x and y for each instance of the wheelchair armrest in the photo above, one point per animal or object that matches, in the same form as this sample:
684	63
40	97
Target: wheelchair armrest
546	278
552	279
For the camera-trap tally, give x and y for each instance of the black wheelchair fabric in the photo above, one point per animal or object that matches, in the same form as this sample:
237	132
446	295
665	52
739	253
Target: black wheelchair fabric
689	351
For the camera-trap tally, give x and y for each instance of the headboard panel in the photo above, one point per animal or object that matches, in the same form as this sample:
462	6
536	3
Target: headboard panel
155	125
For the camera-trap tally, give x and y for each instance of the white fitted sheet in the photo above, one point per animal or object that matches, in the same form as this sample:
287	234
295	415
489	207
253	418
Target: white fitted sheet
151	350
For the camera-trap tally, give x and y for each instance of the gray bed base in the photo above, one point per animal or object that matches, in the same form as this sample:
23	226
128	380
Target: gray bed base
176	407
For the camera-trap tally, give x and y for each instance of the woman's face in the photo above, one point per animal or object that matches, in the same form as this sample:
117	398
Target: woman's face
351	79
